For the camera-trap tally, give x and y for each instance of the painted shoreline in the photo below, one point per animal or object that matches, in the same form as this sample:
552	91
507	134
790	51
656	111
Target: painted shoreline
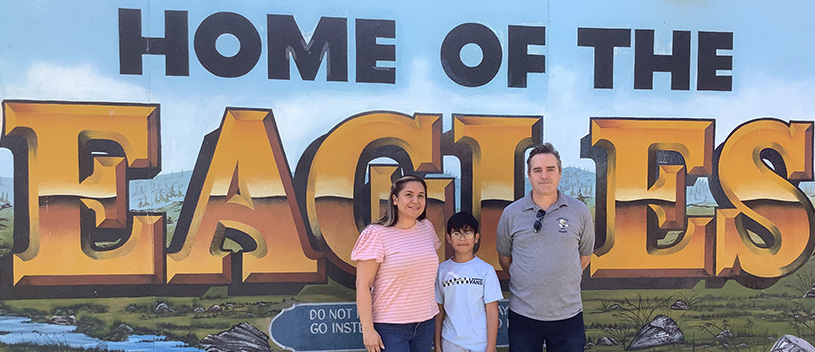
16	330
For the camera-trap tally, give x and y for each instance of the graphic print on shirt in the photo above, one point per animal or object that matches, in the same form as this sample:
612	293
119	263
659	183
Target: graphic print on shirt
563	223
463	281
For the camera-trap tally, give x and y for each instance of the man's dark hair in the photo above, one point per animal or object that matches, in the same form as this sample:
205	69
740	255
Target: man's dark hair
545	148
463	221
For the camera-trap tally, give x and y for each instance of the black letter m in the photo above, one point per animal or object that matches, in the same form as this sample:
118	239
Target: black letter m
330	39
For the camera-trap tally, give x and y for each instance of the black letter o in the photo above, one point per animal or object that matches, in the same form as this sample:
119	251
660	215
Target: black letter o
222	23
471	33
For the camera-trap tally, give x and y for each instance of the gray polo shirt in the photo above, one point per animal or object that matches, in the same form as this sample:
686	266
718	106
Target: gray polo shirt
545	273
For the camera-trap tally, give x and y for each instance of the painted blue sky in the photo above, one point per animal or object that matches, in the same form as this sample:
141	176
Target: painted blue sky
68	50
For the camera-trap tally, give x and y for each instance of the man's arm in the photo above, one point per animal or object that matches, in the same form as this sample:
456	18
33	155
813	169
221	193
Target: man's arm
503	242
505	262
586	246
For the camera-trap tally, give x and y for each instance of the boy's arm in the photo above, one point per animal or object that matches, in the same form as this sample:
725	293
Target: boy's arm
492	325
439	322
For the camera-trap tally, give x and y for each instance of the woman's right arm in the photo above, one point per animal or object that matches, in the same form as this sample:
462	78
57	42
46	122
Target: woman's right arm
366	271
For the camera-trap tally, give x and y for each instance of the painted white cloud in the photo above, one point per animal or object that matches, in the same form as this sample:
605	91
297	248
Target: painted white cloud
6	163
572	102
305	118
302	118
48	81
761	96
184	119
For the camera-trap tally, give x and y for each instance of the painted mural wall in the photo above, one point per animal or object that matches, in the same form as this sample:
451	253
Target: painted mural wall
185	173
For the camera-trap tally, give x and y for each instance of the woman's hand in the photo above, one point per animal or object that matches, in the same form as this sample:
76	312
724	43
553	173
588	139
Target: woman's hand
372	341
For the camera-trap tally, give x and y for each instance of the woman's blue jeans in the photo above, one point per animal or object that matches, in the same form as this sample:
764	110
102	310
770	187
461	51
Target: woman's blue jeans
411	337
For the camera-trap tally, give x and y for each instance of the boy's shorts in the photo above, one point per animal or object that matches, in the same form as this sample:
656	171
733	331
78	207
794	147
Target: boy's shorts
447	346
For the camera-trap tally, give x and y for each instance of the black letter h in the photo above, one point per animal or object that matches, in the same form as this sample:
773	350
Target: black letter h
174	46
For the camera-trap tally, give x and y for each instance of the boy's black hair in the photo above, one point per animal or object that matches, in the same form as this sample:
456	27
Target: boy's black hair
463	221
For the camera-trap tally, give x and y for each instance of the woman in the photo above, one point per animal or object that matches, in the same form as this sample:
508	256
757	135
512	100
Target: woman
396	270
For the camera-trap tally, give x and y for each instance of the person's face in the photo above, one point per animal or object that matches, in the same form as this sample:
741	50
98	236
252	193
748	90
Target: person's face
463	241
410	201
544	175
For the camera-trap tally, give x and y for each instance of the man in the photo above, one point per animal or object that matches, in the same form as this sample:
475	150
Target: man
545	241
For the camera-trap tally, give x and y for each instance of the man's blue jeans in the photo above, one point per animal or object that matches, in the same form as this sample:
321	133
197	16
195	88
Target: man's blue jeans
527	334
411	337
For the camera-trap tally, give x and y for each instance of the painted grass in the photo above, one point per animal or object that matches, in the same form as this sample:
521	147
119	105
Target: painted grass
6	230
756	318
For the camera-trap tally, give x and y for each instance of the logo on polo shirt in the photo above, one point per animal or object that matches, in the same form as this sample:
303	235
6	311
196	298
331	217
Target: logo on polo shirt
463	281
563	223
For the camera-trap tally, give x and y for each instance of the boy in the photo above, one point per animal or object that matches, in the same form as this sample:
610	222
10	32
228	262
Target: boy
467	290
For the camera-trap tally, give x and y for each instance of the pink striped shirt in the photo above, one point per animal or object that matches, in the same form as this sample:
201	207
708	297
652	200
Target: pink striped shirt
403	288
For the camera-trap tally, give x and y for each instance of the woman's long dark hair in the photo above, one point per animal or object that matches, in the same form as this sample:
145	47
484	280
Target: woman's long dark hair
392	214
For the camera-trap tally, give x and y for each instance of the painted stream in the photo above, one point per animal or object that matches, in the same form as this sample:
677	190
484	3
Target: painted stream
14	330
